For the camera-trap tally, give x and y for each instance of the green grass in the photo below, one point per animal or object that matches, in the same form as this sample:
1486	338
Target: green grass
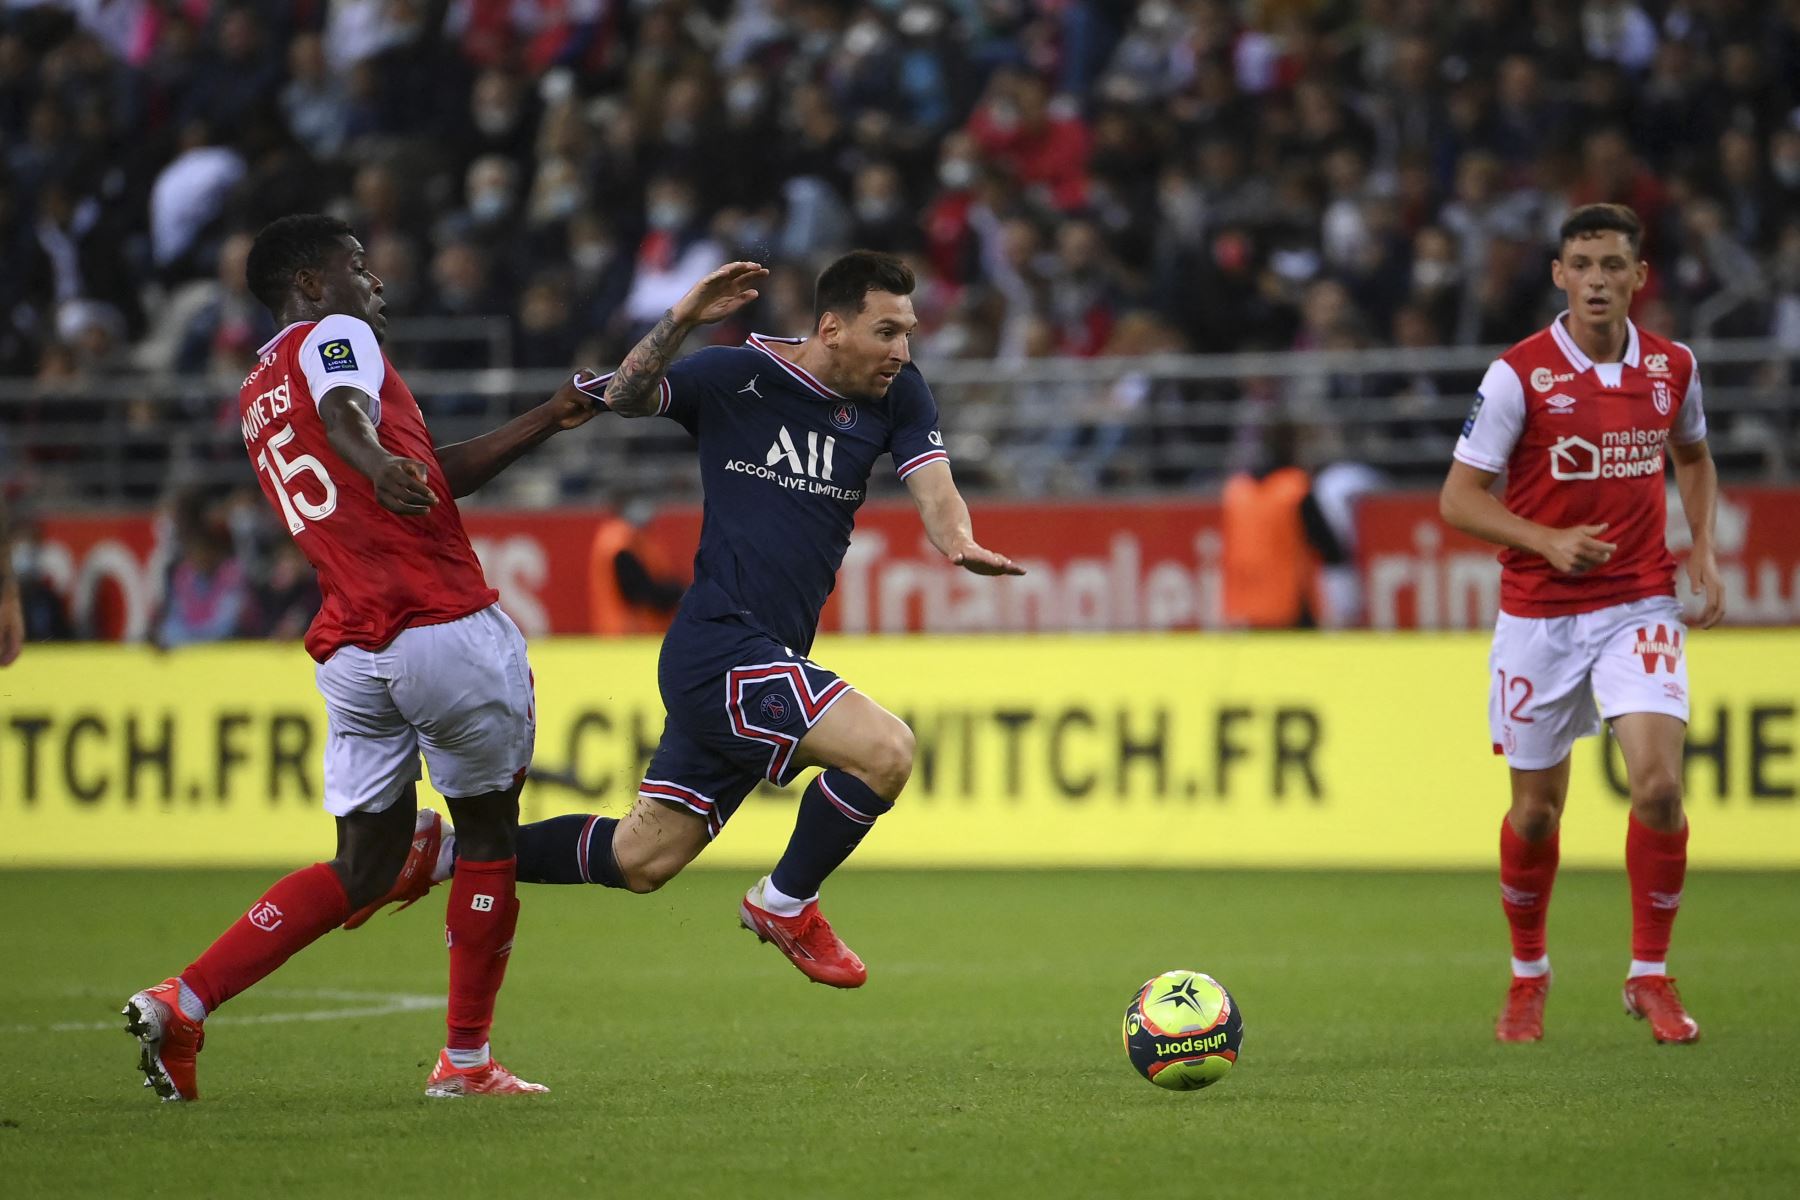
983	1058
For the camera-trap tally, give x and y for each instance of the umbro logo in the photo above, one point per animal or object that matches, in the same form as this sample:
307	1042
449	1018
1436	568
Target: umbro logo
751	387
1561	403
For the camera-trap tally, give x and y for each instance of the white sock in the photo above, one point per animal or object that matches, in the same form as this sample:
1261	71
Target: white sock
1641	968
445	866
1531	969
191	1007
465	1060
779	902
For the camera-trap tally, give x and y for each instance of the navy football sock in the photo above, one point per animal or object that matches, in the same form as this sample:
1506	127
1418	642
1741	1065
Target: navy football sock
573	849
837	809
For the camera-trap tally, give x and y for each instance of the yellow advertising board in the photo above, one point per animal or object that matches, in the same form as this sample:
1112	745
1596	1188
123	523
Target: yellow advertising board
1167	750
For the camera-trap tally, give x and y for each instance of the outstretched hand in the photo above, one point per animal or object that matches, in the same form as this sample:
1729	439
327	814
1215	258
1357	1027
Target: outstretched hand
720	294
983	561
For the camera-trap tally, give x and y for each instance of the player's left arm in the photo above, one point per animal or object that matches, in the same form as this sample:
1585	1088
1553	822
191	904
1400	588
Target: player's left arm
468	465
12	614
1698	480
947	523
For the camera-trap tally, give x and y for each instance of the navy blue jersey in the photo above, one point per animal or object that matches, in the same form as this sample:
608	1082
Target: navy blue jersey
784	465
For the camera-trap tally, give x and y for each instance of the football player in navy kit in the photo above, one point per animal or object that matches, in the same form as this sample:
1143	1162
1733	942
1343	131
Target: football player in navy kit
788	431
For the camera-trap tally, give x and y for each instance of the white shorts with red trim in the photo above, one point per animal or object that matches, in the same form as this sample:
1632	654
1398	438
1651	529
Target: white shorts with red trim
459	693
1553	680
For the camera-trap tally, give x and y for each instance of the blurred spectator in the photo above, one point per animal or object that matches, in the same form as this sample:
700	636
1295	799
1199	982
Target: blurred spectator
206	594
188	196
287	597
1275	538
675	251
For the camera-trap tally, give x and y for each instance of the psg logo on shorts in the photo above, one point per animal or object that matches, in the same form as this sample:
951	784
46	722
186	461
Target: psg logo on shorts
775	708
843	415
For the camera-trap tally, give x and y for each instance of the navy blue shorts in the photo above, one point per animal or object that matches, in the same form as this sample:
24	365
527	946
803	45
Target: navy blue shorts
738	704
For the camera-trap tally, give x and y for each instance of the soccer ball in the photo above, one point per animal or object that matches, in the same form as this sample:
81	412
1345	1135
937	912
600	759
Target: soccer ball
1182	1031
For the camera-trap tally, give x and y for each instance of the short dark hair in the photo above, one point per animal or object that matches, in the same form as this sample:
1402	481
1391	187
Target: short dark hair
1591	219
287	245
844	283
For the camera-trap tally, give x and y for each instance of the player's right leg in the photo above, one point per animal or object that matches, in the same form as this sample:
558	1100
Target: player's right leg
465	687
371	762
867	753
1540	701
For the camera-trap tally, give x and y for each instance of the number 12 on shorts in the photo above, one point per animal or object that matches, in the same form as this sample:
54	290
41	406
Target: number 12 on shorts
1521	685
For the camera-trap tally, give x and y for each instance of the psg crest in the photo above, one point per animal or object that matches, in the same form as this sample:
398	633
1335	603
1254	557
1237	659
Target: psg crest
775	708
843	415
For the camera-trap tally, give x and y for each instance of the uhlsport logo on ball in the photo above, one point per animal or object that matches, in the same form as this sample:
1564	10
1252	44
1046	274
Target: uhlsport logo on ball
1183	1030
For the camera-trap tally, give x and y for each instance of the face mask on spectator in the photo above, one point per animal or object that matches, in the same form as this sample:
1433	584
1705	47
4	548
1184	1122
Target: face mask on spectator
559	202
489	205
1430	274
744	97
668	215
873	210
494	120
591	257
956	173
1787	171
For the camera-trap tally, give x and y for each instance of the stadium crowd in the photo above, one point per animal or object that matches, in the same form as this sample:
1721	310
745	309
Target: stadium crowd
1074	177
1071	177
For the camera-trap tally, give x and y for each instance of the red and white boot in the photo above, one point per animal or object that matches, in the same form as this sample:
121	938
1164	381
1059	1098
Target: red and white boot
168	1039
807	940
1654	998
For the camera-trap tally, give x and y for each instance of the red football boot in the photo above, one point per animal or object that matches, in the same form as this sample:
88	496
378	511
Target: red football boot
168	1039
807	941
1523	1018
414	879
1654	997
447	1080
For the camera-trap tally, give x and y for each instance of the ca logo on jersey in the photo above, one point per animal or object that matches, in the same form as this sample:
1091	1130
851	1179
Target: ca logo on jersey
818	454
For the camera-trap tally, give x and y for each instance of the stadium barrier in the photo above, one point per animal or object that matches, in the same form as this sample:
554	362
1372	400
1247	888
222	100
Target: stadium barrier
1115	565
1119	750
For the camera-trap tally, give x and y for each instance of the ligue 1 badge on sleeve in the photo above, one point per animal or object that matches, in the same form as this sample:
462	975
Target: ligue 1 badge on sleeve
1474	411
337	356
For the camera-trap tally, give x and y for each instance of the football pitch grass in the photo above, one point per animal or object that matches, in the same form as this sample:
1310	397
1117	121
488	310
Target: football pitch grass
982	1059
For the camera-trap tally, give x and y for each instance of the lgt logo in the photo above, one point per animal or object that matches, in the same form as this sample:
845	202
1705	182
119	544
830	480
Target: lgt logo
1574	458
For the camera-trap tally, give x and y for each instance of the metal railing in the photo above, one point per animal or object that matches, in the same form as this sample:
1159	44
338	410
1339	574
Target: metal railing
1030	428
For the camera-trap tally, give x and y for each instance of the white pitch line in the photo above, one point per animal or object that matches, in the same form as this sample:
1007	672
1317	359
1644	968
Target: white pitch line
365	1004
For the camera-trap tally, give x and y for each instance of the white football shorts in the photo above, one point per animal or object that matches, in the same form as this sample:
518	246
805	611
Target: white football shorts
460	693
1554	679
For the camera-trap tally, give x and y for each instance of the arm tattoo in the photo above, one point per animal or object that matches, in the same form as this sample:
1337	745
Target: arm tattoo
632	391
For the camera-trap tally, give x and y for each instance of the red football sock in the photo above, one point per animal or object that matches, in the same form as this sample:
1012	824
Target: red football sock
478	926
1656	863
1527	873
298	911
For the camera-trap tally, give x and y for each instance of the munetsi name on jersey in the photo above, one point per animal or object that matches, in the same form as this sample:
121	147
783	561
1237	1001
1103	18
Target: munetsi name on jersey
265	408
